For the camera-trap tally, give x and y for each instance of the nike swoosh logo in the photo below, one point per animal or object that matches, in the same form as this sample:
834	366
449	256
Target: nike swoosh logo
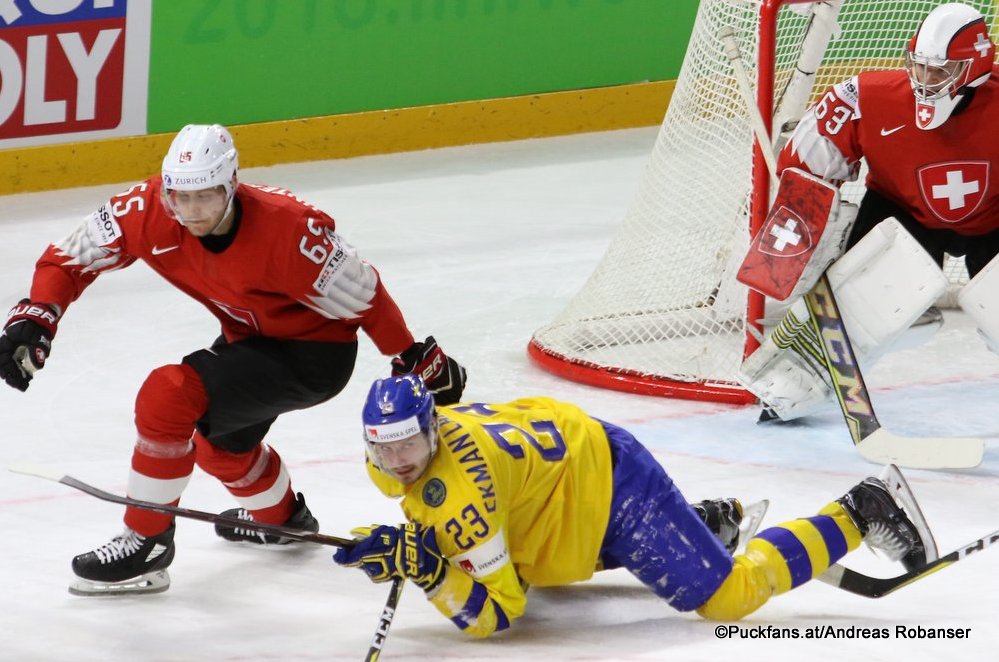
888	132
160	251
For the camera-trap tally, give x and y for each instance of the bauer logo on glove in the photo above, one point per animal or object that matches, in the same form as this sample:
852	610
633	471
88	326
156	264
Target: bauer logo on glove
444	376
386	552
26	342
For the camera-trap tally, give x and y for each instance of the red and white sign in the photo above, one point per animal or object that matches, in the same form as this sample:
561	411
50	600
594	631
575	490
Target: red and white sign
72	70
955	189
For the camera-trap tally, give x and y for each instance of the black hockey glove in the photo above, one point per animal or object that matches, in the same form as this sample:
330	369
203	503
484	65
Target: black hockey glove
26	342
444	376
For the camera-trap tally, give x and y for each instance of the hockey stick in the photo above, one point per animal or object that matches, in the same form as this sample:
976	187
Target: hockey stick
388	613
876	587
873	442
385	622
177	511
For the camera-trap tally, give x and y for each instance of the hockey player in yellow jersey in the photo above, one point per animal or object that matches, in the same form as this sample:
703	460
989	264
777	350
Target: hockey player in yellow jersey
535	491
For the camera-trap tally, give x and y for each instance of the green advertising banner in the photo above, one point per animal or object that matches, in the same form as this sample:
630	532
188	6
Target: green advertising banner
246	61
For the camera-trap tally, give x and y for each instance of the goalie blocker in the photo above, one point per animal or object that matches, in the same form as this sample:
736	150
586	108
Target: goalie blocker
804	233
882	285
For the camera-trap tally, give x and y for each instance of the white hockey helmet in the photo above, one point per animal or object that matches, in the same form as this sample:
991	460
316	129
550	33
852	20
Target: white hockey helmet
950	53
201	156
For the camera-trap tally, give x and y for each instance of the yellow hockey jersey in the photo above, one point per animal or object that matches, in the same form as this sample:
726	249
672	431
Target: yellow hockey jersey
517	493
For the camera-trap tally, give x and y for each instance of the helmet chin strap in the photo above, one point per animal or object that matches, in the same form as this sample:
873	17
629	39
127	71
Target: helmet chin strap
225	215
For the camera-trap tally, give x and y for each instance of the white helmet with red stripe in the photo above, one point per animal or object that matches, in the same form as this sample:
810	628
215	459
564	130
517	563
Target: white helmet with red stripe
950	54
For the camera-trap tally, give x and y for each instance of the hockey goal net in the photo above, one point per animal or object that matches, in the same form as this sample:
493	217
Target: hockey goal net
662	313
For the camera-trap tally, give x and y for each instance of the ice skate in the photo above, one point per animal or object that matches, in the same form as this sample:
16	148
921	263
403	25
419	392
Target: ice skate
301	519
885	511
732	522
130	563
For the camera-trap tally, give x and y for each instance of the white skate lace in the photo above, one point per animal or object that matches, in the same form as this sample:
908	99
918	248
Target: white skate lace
126	544
244	514
886	540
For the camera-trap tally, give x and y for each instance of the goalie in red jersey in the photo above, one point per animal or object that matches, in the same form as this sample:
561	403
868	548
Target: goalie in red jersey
926	134
290	294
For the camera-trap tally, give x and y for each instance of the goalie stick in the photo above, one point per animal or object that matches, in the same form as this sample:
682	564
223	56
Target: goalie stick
875	587
388	612
874	442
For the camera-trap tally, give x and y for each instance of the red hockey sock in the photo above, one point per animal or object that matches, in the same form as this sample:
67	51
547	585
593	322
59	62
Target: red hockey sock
258	479
169	403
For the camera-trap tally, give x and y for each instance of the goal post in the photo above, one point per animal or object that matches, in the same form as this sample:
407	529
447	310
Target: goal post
662	313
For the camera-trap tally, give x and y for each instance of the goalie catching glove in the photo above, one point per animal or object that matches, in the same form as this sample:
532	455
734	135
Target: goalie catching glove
26	342
444	376
386	552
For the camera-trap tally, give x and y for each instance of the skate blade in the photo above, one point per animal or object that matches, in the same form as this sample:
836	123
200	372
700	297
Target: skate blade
902	493
752	518
151	582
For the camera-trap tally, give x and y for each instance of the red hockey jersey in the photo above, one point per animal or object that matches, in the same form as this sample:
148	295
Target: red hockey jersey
287	274
945	178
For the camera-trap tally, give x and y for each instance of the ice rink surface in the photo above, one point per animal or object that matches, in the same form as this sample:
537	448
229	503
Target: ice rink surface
479	245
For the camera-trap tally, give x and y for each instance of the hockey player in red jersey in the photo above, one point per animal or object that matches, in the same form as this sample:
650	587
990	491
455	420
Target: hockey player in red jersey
927	134
290	294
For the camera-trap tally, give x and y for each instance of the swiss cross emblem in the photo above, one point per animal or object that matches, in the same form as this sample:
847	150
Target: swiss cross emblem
185	157
924	115
982	45
955	189
785	234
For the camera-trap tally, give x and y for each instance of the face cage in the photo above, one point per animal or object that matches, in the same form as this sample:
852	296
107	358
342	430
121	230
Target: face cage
430	433
951	82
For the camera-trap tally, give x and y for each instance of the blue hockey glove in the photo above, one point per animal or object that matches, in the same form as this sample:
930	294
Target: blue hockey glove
384	552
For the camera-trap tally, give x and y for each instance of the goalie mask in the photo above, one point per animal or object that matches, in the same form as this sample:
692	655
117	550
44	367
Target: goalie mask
950	54
200	157
400	427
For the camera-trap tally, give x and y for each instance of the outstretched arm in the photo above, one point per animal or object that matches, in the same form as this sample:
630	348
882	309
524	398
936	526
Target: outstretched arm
478	606
64	270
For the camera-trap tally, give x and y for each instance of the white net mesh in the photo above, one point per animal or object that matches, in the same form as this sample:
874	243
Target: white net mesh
663	303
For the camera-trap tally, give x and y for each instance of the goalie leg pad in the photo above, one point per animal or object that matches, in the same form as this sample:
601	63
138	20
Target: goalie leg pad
787	371
979	299
882	285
